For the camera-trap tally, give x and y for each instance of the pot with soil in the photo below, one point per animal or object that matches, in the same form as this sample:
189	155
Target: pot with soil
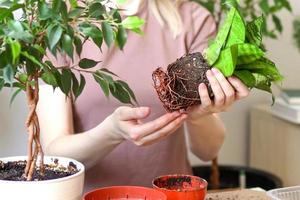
125	193
63	179
179	187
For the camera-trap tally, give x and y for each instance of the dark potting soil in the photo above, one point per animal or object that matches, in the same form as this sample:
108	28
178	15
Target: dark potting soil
178	183
177	88
13	171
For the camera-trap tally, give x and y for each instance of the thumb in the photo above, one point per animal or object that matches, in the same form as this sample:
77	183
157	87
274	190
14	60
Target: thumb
128	113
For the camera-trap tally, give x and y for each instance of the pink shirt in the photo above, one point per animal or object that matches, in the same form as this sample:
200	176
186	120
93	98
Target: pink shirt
128	164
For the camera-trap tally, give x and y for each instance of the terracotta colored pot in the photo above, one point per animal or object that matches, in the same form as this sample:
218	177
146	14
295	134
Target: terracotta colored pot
125	193
181	187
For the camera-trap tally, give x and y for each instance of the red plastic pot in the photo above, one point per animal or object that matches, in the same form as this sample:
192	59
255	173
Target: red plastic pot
125	193
181	187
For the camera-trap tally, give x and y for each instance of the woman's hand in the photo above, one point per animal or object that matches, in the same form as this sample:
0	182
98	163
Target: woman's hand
226	92
126	124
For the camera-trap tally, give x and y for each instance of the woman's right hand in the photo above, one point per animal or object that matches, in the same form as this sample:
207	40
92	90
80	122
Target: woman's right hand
126	123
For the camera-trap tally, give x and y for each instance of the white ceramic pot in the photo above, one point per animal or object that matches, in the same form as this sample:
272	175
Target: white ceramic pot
67	188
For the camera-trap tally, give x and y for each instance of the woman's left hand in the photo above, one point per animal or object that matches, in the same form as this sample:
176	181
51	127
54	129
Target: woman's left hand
226	92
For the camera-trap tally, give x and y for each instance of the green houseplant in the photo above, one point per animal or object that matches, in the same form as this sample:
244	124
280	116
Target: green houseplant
30	30
271	27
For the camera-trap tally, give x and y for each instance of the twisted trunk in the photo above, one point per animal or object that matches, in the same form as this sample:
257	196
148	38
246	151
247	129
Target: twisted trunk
34	148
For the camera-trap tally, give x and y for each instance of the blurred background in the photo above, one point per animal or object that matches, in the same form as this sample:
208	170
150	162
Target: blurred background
237	147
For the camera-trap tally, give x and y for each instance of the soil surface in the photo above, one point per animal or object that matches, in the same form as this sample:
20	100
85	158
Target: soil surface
178	87
13	171
179	183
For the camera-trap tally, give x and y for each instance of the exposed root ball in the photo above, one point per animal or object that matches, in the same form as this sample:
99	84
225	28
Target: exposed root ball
178	87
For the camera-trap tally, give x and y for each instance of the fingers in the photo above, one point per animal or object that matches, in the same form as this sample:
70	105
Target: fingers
204	96
241	89
216	88
165	131
148	128
226	87
127	113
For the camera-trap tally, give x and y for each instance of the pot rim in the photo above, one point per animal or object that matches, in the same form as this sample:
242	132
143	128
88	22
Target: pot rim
79	165
180	175
124	186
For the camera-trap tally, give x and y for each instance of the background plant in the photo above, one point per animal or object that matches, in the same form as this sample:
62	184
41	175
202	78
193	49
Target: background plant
297	32
57	27
251	9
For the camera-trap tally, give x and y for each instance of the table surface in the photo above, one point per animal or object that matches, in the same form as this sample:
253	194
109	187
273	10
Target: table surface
237	195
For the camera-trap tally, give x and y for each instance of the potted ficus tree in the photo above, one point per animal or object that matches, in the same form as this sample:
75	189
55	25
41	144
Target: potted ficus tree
30	30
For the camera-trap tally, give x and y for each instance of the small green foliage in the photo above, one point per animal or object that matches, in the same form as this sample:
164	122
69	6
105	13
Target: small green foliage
297	32
52	27
237	50
250	10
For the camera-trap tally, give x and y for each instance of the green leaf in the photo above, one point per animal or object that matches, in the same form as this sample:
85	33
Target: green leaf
14	96
15	47
108	33
23	77
32	59
104	84
96	10
54	34
2	82
254	31
78	45
4	13
8	74
44	11
73	3
120	93
56	5
213	51
246	77
64	11
262	83
237	31
264	67
92	31
248	53
73	14
17	31
227	60
277	23
67	45
108	71
49	78
86	63
121	37
265	6
81	85
128	89
132	22
66	81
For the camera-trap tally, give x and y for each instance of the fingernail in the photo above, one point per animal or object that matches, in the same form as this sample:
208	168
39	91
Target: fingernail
215	70
202	86
143	110
208	73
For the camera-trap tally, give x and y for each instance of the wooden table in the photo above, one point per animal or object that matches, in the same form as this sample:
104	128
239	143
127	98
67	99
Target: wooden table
237	195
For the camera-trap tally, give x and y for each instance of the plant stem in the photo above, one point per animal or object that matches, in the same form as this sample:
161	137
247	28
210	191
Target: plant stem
33	128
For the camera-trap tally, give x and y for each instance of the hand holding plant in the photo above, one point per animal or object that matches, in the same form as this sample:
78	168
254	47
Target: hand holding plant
236	51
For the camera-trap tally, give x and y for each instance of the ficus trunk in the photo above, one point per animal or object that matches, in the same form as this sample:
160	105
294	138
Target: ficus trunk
34	148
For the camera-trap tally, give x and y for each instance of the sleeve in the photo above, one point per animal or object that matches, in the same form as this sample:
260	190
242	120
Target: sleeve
202	29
